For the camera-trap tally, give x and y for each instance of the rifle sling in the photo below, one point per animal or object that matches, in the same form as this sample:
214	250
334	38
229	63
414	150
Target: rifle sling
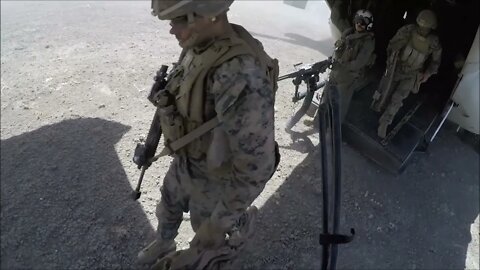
172	147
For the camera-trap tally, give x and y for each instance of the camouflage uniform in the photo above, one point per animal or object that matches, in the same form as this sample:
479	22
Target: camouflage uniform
416	55
241	96
223	76
354	53
218	175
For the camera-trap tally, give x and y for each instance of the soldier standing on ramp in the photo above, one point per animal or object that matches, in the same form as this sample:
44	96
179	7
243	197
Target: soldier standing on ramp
354	53
223	74
414	54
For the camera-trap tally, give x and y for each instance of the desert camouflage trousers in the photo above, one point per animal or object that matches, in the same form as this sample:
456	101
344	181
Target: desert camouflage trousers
402	86
188	186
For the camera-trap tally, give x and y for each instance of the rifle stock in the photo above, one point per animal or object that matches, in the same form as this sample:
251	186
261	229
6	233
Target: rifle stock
384	91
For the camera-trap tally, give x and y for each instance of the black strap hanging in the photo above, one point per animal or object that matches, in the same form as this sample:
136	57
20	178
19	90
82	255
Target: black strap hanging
331	139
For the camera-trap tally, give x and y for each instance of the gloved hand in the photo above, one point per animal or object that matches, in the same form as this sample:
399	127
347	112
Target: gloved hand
423	77
209	236
140	156
158	86
160	98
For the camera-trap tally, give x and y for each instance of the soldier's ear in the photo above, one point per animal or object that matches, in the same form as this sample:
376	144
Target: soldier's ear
219	18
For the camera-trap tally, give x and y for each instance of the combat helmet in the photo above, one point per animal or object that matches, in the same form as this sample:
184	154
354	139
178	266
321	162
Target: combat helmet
170	9
427	19
365	17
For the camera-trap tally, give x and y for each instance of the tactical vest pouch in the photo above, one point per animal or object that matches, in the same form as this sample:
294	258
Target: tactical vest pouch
161	99
172	124
415	52
198	147
273	73
188	85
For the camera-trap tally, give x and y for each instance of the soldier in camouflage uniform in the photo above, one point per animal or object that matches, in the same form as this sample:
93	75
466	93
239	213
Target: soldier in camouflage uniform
354	53
223	73
419	56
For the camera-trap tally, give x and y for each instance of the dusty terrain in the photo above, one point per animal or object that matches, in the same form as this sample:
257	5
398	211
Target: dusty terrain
74	80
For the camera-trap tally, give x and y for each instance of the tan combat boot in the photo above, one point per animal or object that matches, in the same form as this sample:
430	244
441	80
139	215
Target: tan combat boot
245	228
207	259
248	228
155	250
382	130
238	238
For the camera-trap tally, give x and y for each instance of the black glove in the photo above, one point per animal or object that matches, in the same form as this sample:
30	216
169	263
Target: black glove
140	156
159	86
157	92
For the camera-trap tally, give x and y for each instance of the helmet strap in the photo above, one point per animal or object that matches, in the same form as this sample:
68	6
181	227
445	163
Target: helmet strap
191	41
191	18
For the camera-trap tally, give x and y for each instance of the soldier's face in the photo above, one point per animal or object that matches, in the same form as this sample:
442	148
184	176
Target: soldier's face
423	31
189	34
360	27
180	29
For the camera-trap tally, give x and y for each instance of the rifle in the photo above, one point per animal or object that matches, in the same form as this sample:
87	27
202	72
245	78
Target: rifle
331	144
404	120
310	75
384	91
145	152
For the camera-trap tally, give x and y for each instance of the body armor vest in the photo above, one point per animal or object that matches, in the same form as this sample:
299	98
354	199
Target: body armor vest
416	52
349	46
188	83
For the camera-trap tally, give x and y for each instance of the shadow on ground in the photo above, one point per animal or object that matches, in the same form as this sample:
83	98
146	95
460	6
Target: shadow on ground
300	142
420	219
65	199
323	46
